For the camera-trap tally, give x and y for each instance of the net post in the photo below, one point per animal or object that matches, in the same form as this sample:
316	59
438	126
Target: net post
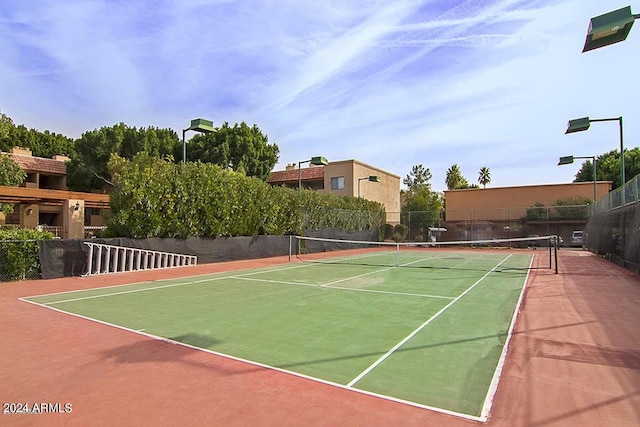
290	243
556	256
397	254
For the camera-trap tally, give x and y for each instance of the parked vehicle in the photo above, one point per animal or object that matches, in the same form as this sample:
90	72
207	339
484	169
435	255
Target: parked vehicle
560	241
576	238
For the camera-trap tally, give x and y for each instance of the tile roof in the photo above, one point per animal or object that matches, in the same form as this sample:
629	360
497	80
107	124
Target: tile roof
307	174
39	164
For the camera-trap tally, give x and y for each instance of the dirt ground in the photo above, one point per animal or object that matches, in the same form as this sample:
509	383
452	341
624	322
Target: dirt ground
574	360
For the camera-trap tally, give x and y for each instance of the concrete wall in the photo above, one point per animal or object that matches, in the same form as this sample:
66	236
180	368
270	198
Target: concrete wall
29	215
73	219
504	203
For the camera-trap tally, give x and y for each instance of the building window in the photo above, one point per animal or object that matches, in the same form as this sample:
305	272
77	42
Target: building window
337	183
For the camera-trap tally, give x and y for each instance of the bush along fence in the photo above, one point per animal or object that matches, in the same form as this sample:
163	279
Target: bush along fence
158	198
19	253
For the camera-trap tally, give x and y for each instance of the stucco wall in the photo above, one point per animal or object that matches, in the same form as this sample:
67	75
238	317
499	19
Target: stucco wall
503	203
387	191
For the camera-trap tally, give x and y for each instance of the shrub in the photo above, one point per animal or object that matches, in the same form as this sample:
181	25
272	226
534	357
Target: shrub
400	232
158	198
19	253
388	231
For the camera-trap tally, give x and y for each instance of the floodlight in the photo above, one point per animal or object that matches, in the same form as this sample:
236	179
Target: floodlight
578	125
316	161
609	28
582	124
370	178
198	125
567	160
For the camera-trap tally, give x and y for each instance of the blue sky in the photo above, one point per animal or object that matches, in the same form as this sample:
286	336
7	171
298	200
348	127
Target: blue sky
390	83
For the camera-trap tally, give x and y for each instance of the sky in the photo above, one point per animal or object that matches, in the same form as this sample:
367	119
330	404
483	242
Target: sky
477	83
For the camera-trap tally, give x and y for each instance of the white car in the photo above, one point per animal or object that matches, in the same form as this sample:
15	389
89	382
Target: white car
576	238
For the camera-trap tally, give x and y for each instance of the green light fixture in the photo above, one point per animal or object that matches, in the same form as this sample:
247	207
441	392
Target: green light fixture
567	160
610	28
583	123
316	161
198	125
370	178
578	125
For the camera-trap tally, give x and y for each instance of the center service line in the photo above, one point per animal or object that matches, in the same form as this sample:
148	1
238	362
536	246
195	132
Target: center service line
421	327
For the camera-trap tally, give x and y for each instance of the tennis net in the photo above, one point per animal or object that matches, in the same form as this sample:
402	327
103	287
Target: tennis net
415	254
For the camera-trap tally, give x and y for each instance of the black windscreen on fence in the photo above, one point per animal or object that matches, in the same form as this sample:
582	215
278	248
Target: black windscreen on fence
615	234
62	258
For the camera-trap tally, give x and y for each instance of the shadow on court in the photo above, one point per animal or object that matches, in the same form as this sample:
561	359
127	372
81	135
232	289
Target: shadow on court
154	350
501	338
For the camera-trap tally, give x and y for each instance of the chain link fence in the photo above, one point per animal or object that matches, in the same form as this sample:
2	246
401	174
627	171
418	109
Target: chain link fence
19	260
487	224
613	230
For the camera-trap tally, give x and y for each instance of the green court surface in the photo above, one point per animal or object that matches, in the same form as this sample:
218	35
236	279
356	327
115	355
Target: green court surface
429	332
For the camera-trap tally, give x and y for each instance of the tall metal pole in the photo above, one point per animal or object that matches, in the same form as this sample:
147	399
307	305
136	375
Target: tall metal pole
622	182
595	181
184	146
619	119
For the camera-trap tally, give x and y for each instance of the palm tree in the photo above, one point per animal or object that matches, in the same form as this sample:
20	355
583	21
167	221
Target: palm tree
454	179
484	176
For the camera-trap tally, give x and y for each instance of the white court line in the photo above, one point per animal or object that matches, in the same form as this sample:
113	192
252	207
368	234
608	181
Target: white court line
209	275
208	279
263	365
329	285
493	386
278	282
421	327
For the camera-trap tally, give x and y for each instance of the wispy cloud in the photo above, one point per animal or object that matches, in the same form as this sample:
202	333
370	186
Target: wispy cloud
476	82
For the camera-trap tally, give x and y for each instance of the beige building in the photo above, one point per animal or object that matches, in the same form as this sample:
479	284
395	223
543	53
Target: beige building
479	213
44	201
495	203
346	178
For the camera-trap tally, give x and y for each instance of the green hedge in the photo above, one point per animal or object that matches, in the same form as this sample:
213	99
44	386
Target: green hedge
158	198
19	253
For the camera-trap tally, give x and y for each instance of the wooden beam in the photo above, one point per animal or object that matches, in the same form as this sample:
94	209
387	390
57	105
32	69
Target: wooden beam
45	196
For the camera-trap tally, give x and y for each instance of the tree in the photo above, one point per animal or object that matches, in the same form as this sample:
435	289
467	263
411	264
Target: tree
417	177
422	206
10	175
240	148
537	212
574	207
454	179
88	169
608	167
6	126
484	176
42	144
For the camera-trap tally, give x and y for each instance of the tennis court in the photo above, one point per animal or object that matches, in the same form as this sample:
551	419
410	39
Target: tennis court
427	327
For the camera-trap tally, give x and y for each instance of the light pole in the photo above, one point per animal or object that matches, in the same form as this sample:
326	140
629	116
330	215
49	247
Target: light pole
567	160
371	178
582	124
612	27
199	125
317	160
